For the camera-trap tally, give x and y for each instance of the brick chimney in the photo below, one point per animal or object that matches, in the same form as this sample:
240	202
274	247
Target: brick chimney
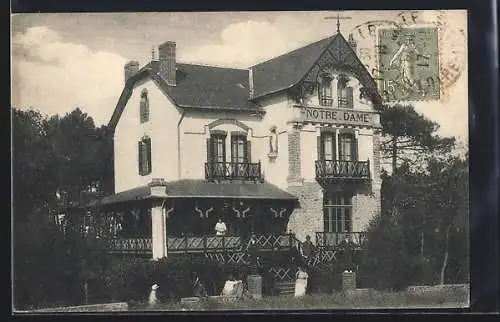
352	43
166	57
131	68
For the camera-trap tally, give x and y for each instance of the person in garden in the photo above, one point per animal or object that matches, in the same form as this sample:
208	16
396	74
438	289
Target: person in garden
301	278
307	248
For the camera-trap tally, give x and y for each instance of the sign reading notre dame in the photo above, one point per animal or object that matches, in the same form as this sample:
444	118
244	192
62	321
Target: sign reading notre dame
340	116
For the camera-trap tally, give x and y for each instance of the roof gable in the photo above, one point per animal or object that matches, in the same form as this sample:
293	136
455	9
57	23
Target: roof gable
286	70
305	63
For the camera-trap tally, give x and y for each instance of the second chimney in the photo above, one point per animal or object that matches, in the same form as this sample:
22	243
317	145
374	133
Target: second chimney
166	57
131	68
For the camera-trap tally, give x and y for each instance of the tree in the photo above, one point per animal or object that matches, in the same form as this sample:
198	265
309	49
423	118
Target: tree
52	154
409	134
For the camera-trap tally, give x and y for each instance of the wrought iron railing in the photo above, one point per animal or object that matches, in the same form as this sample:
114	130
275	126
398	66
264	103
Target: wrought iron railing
130	245
326	101
228	243
233	171
336	169
344	102
204	244
333	240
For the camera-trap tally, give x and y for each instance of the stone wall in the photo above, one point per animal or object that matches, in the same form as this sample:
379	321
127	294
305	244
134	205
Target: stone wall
307	219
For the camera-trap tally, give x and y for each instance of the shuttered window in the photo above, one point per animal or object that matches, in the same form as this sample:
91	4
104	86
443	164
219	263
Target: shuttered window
145	166
239	149
348	147
216	148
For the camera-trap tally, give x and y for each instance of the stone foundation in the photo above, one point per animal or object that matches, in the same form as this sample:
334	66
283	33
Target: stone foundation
307	219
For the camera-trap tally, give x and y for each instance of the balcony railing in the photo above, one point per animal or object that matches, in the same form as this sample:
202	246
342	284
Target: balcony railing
202	244
335	169
130	245
233	171
333	240
344	102
326	101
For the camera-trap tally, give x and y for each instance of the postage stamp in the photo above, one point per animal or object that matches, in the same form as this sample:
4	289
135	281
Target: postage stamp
408	58
439	35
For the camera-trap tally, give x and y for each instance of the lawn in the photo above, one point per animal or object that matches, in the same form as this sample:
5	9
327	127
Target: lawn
367	299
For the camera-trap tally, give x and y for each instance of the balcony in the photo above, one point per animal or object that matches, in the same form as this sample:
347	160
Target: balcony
334	240
201	244
215	171
342	170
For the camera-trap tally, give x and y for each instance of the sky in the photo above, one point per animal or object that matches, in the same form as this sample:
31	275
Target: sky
64	61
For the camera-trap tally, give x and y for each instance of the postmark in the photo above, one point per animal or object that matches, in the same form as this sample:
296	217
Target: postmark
451	52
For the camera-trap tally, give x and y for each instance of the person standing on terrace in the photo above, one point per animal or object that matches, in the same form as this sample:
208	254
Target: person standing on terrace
220	228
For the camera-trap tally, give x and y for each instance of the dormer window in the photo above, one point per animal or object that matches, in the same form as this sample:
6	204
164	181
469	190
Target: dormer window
345	93
144	106
325	91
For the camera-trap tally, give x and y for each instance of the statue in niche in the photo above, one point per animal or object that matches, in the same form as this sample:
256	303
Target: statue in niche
273	141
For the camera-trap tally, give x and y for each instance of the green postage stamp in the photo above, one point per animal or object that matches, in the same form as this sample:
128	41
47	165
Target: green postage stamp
409	64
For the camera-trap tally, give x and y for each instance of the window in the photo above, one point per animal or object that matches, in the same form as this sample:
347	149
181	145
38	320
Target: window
337	212
217	148
145	156
327	146
239	152
144	106
347	147
345	93
325	91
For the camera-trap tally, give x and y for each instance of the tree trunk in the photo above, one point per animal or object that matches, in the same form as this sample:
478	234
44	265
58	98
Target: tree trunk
394	153
422	237
446	255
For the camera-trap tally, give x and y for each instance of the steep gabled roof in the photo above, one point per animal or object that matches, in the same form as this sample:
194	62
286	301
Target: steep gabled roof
217	88
286	70
197	87
289	69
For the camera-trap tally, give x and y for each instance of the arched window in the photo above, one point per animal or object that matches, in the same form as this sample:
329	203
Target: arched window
344	92
325	91
144	106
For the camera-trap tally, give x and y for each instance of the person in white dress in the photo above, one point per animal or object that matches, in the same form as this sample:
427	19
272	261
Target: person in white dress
301	282
153	300
220	228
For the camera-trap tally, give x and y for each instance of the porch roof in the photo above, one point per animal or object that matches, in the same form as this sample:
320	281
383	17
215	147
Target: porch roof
189	188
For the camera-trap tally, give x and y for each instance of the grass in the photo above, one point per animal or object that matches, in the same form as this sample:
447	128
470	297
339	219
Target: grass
357	300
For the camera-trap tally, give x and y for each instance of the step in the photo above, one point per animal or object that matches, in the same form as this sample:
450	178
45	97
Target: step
286	288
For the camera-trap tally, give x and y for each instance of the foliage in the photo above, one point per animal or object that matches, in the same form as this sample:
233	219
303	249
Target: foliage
409	135
57	154
421	236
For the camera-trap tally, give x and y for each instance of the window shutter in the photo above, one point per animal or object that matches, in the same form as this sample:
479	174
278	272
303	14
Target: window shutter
209	150
248	152
140	157
354	149
321	154
350	97
334	146
148	156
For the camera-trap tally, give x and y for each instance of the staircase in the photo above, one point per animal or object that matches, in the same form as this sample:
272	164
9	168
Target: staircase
286	288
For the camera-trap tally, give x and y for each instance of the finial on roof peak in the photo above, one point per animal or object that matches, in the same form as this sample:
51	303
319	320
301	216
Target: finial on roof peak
338	17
